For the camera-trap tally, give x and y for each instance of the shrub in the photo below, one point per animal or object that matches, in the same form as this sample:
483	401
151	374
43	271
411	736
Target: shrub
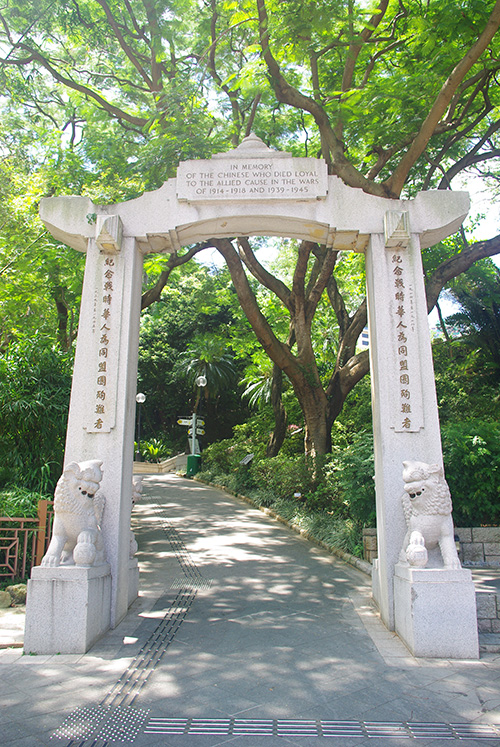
353	468
472	466
223	456
284	475
154	450
35	382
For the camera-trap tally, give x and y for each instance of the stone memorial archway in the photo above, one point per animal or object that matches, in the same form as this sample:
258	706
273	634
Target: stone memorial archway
252	190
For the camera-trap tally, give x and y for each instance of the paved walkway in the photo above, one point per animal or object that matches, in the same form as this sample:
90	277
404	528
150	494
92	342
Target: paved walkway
244	634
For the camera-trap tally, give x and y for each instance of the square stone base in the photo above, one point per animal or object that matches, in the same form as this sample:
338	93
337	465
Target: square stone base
435	612
68	609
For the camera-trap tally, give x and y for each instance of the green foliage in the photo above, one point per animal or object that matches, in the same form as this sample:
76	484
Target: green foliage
356	415
340	533
35	380
193	324
208	357
285	476
352	468
477	293
320	484
467	360
40	279
19	502
154	450
472	466
466	390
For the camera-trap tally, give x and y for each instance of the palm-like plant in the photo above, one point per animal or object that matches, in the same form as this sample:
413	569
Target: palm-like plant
208	357
258	384
264	386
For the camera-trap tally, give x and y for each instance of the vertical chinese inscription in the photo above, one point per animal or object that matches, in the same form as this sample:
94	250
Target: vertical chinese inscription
408	396
106	323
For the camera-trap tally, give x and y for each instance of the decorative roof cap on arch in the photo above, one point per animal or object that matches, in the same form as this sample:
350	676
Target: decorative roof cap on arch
254	190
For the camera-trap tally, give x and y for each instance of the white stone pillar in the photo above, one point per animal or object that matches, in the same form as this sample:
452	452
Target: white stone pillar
102	409
405	414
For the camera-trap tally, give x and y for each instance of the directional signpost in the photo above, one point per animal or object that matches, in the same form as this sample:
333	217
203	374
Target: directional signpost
194	424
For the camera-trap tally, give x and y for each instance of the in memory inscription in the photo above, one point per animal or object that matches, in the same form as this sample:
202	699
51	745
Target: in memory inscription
252	178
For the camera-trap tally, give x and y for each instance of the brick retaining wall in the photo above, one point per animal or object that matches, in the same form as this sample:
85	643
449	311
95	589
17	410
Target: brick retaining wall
480	546
488	611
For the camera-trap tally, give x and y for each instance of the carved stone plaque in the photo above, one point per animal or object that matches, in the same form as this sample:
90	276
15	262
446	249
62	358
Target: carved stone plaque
252	172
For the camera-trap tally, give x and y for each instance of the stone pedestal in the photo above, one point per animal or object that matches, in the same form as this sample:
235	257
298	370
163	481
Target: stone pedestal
70	609
435	612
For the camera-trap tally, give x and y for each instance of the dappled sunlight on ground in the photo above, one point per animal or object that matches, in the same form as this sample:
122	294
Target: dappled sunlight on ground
268	626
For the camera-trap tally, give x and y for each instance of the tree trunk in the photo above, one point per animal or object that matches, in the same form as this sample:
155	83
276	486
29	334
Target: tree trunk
58	294
314	406
280	419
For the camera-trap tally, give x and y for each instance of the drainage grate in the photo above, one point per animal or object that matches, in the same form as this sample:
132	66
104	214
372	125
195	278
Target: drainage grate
297	729
254	727
341	729
421	730
475	731
305	728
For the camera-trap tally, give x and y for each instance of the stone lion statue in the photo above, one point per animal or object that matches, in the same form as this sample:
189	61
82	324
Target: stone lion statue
78	508
427	509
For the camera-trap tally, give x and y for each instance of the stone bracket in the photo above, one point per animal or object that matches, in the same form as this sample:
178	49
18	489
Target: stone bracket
397	229
109	232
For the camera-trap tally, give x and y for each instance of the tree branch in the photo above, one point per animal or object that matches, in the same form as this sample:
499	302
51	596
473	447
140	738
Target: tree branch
327	267
397	180
85	90
287	94
153	294
259	272
457	264
276	350
355	49
123	44
465	162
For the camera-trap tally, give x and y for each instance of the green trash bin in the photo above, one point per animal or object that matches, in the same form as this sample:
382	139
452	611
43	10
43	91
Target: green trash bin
193	464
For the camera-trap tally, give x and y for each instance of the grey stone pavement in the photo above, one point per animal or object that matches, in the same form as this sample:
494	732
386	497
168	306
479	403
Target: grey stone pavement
247	634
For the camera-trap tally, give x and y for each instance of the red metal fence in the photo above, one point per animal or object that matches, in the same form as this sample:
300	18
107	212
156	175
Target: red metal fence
23	542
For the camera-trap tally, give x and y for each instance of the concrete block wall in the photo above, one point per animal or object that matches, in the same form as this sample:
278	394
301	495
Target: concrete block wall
488	611
479	546
369	544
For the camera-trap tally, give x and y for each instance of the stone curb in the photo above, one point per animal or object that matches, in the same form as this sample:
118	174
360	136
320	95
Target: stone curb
358	563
